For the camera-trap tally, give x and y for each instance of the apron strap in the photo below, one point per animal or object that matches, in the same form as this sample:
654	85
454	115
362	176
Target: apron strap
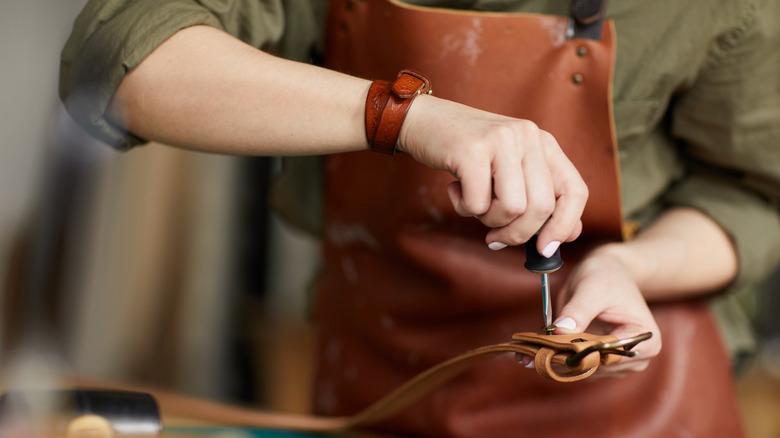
587	19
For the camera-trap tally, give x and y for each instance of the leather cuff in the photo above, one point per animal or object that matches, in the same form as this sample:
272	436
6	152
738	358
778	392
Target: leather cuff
386	107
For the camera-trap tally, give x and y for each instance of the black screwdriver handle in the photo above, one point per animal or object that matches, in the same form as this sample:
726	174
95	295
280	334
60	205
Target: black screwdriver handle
539	264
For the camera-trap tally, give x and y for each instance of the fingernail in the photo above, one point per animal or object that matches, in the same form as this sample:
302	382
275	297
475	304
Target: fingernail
550	249
495	246
524	360
566	323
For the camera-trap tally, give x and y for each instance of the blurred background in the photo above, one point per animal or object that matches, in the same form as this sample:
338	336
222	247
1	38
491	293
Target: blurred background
166	268
148	266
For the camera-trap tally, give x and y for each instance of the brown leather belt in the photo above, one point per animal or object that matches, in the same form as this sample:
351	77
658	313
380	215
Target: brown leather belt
580	354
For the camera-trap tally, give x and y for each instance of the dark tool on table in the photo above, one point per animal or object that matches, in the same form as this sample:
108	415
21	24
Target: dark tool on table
77	413
539	264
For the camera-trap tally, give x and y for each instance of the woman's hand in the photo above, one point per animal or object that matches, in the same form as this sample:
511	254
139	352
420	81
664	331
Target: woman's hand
511	175
602	297
683	254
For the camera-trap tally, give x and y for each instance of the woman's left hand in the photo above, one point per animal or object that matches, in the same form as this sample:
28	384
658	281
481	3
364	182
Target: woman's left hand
601	297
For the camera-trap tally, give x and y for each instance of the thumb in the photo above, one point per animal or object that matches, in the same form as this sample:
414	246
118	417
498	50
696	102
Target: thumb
575	316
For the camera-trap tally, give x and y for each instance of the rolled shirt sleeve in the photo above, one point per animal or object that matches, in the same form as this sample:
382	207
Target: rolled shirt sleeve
729	127
111	37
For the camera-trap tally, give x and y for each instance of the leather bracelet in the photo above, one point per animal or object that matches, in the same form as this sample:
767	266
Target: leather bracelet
386	107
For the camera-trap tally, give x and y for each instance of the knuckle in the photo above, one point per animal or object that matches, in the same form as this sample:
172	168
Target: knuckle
527	126
463	212
474	209
580	189
499	222
515	237
548	138
543	209
501	134
492	221
509	133
514	208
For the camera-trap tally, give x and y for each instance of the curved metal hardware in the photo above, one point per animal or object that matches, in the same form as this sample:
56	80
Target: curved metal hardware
622	347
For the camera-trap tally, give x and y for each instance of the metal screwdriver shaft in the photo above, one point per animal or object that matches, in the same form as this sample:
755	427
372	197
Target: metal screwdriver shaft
539	264
546	305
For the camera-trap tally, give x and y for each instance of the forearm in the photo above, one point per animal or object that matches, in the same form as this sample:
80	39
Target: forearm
205	90
682	254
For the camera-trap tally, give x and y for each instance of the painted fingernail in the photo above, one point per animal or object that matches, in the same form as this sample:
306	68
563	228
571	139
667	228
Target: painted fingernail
524	360
495	246
566	323
550	249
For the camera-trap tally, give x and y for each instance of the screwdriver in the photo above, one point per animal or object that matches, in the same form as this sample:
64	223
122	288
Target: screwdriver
539	264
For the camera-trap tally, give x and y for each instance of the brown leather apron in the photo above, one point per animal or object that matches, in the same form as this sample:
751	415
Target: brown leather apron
408	283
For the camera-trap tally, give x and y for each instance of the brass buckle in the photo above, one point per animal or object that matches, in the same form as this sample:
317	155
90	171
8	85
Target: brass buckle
620	347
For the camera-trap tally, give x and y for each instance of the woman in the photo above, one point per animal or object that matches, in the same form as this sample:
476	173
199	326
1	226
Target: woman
695	103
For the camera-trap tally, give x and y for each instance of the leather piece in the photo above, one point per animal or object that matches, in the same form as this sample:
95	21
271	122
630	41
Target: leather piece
376	100
410	84
408	283
390	123
547	350
387	105
544	367
524	343
556	344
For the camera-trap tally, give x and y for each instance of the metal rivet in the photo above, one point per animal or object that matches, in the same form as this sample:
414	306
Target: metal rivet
577	78
582	51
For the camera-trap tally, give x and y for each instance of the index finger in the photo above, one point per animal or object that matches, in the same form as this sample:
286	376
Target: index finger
571	195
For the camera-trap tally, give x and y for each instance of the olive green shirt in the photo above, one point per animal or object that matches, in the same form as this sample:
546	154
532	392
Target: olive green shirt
696	95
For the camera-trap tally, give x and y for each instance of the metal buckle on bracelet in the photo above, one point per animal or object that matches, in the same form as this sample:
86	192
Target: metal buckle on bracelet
620	347
405	93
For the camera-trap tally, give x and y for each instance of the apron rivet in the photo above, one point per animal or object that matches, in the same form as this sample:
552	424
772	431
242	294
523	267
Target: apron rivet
582	51
577	78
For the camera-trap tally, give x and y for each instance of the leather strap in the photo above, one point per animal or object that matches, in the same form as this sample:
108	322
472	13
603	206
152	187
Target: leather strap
387	105
581	353
588	11
587	19
550	352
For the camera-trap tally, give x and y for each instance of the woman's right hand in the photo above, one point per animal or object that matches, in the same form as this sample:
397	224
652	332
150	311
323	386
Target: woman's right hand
511	175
